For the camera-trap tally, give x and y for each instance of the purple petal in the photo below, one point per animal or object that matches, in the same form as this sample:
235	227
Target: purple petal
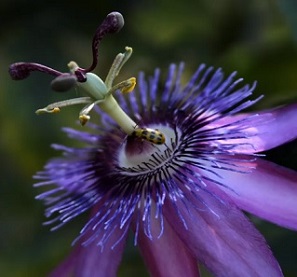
67	267
267	129
90	261
221	237
167	255
268	191
281	129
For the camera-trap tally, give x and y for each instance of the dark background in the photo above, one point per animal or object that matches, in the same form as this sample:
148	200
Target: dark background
256	38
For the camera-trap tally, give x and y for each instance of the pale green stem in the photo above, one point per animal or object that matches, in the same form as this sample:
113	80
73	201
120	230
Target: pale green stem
112	108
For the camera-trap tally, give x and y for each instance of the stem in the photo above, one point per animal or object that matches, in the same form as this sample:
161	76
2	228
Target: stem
112	108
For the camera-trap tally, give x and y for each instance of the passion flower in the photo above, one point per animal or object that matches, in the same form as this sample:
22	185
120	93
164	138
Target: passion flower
176	164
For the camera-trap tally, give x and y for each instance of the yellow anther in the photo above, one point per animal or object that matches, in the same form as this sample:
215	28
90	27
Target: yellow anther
55	110
83	119
131	83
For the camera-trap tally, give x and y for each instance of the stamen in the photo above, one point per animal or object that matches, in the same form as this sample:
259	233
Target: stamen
55	107
116	66
84	114
128	85
125	86
46	110
83	119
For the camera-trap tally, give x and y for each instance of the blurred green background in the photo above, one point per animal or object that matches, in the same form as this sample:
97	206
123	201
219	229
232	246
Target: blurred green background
256	38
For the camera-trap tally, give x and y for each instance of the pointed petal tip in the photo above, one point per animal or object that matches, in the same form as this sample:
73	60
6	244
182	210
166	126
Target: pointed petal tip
223	239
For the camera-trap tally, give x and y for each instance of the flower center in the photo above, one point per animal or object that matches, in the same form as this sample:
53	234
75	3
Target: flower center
139	156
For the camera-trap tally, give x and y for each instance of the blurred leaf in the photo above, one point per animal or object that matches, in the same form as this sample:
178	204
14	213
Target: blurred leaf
289	8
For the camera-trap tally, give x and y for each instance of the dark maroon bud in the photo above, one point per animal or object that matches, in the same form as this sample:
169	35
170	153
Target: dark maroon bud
63	82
